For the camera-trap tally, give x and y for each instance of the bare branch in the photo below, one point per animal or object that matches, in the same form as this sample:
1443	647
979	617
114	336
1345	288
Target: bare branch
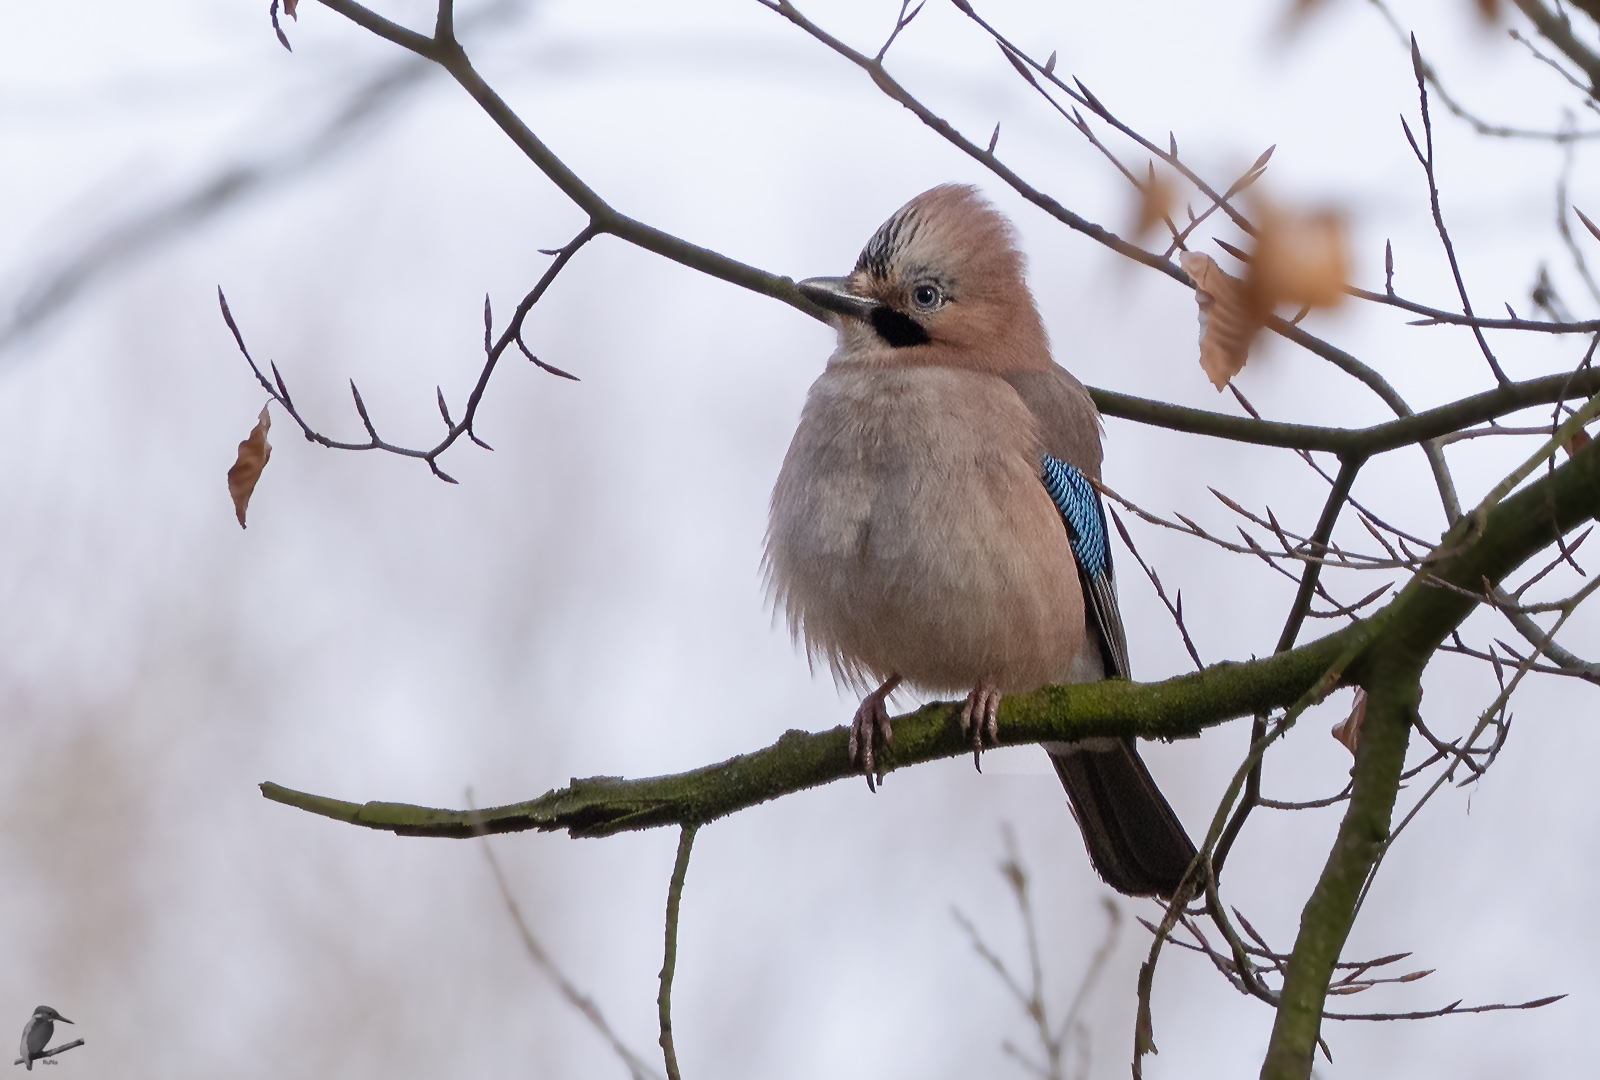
1054	1039
1482	127
1427	162
669	964
637	1068
900	23
1175	610
513	333
1557	29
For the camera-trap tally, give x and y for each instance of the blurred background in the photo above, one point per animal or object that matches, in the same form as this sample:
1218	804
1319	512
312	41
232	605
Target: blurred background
589	599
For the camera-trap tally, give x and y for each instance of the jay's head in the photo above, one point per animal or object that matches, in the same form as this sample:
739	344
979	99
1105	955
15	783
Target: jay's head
940	283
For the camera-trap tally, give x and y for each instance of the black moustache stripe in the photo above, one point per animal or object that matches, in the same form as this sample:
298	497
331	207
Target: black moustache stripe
897	328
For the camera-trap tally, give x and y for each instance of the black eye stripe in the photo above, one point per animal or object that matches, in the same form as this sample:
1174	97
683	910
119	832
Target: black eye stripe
896	328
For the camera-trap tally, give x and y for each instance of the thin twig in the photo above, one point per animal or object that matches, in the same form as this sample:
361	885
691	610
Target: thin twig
669	963
900	24
1054	1039
1301	551
1564	227
278	391
637	1068
1427	163
1175	610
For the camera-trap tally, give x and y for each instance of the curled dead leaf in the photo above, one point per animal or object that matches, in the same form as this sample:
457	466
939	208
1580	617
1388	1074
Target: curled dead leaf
1348	730
288	9
1228	320
253	455
1299	259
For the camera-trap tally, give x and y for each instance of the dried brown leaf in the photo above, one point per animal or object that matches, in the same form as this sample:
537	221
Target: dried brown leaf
288	9
1579	440
1299	259
1228	321
1299	9
253	455
1156	197
1348	730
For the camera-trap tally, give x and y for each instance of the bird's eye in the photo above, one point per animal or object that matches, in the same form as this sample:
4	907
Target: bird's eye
925	296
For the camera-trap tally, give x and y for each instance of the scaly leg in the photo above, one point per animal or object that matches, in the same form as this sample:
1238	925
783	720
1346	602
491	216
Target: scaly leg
872	721
980	719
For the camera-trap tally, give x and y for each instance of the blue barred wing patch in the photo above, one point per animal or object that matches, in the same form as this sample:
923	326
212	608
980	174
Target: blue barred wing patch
1079	504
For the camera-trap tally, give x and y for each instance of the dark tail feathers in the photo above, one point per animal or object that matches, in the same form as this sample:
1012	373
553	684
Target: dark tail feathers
1135	841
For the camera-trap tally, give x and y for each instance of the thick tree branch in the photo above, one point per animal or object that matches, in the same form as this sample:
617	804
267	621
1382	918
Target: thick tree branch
1348	468
986	157
449	55
1413	626
599	806
1327	351
1362	442
1418	619
1385	654
444	50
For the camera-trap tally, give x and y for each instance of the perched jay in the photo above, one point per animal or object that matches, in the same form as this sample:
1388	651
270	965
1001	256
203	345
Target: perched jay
934	521
37	1031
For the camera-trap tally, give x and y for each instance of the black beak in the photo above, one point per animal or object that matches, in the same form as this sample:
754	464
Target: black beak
834	294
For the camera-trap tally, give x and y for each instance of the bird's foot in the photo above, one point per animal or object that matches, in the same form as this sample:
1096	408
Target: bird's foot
980	719
871	722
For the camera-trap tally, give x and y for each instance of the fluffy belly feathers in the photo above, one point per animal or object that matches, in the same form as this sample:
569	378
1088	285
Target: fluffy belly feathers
910	534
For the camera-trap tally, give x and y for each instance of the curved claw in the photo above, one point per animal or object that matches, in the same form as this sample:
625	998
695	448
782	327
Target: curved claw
980	717
870	724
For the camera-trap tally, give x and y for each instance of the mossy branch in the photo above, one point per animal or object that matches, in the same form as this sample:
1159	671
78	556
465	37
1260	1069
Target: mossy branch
1177	708
1414	623
1413	626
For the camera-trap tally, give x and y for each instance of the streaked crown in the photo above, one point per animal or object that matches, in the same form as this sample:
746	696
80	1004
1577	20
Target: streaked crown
947	273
